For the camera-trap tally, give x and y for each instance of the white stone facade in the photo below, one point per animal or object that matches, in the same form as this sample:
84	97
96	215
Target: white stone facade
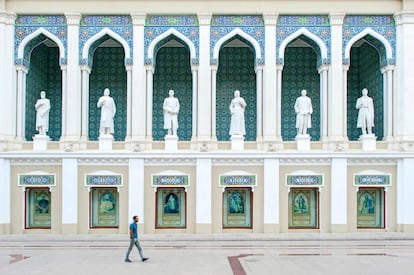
203	158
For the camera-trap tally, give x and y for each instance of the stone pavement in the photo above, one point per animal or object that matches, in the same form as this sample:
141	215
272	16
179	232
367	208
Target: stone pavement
237	254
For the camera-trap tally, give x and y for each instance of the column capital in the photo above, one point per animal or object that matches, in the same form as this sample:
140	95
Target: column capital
387	68
204	18
322	68
22	68
85	68
73	18
149	68
337	18
138	18
270	18
7	18
405	17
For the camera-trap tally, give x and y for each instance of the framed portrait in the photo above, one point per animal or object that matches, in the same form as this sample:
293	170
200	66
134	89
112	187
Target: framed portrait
171	208
237	208
304	208
38	208
104	207
370	208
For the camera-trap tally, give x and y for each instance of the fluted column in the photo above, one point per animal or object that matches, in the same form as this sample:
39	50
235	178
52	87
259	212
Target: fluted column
213	102
335	102
194	72
21	90
73	88
387	73
279	70
138	94
259	103
323	72
7	77
345	69
150	76
63	68
270	115
129	101
86	71
205	132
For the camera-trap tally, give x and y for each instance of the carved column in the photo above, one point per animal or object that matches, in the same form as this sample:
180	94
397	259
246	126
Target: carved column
259	102
194	72
150	76
21	95
86	71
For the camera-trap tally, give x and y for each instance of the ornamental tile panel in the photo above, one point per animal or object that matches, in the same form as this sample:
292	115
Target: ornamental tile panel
25	25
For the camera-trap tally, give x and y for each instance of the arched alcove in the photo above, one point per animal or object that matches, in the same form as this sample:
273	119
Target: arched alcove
236	71
365	72
300	71
107	71
172	72
44	74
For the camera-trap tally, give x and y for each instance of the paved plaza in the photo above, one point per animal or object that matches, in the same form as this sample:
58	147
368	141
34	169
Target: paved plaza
238	254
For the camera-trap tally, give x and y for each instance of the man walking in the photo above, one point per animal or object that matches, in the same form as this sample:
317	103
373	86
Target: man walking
133	236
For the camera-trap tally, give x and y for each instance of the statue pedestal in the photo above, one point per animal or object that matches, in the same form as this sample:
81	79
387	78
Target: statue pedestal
105	142
303	142
368	142
171	143
40	142
237	142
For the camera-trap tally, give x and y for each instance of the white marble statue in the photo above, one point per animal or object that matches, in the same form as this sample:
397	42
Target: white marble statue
237	107
365	105
303	110
108	110
171	107
42	107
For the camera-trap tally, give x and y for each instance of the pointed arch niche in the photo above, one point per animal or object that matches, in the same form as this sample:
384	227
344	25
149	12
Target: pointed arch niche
367	54
41	70
171	68
304	56
237	54
104	66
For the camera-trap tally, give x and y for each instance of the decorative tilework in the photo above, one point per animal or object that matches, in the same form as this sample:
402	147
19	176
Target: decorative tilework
173	71
27	24
187	25
317	25
92	24
364	72
108	71
223	25
382	24
299	72
235	72
44	75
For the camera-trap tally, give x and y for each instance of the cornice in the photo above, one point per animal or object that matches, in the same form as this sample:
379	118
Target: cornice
169	161
237	161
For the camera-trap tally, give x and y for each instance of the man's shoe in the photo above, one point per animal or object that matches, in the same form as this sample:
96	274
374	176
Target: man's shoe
127	260
144	259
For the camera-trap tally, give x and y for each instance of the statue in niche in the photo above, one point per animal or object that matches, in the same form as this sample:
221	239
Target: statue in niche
365	105
237	107
171	107
303	110
42	107
108	110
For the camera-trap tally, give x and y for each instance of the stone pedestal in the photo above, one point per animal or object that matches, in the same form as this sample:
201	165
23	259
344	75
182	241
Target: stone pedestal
171	143
237	142
303	142
40	142
368	142
105	142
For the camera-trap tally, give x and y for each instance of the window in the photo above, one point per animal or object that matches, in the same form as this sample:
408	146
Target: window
38	208
104	207
370	208
237	208
171	208
304	208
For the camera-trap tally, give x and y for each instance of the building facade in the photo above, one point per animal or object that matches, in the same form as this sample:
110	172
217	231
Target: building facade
202	180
